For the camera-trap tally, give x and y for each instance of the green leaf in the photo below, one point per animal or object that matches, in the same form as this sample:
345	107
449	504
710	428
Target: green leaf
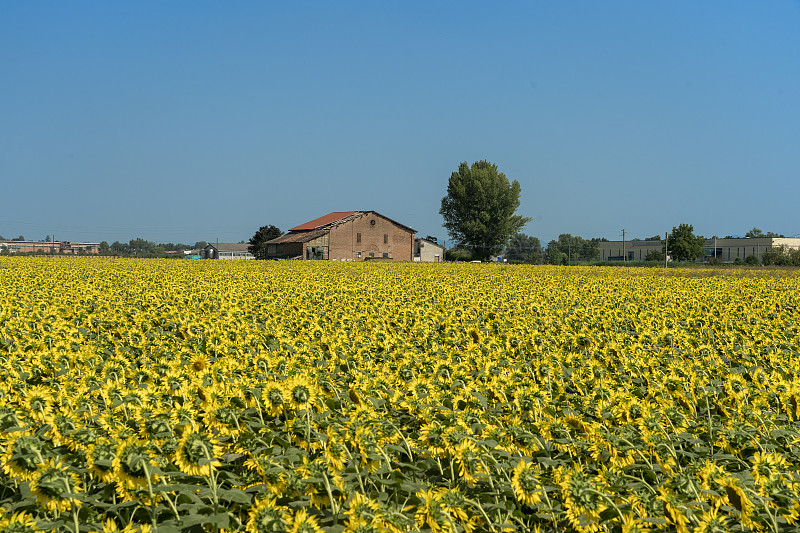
235	495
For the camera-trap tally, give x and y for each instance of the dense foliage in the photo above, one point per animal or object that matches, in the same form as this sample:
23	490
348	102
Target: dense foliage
683	245
294	396
258	242
479	208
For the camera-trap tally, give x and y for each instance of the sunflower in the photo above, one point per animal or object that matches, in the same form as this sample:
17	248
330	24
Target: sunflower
199	363
632	524
110	526
314	475
54	486
470	467
362	510
738	498
674	511
582	500
274	398
23	454
100	459
302	522
302	393
20	522
223	418
39	402
153	425
711	522
456	505
766	466
267	517
198	453
431	439
335	452
525	483
183	416
432	513
271	473
132	464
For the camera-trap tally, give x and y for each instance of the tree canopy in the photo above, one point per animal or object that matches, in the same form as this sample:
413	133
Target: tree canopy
683	245
258	246
523	248
756	233
479	208
570	248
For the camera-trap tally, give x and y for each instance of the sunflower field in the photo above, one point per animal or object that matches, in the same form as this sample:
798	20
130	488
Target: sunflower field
192	396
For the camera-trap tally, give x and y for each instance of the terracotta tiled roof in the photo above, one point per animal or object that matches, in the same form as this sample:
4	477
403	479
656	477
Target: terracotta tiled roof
304	236
324	221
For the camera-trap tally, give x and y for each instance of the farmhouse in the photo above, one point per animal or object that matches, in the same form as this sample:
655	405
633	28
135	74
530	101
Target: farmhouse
346	236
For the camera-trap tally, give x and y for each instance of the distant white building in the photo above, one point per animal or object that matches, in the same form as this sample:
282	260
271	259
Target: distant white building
227	250
428	251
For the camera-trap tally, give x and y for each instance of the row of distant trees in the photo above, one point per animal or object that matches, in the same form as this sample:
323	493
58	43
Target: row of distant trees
145	248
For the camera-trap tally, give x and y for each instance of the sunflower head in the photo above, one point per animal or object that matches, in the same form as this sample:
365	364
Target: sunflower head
267	517
525	483
54	486
274	399
132	463
24	453
100	459
19	523
197	453
39	402
362	509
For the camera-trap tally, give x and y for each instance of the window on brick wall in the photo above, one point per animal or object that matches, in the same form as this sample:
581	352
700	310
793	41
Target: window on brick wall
358	237
385	239
358	254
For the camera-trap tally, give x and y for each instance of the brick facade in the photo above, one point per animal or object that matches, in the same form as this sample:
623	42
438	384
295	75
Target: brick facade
380	238
346	236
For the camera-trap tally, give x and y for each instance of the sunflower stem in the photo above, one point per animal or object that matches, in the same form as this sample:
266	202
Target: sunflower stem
153	518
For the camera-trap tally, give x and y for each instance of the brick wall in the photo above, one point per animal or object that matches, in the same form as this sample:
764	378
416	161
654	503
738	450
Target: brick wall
378	238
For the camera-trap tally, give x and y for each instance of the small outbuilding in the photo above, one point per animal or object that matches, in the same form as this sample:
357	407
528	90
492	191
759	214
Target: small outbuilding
227	250
427	251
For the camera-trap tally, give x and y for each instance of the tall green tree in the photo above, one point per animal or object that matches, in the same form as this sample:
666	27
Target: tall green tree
683	245
479	208
523	248
258	246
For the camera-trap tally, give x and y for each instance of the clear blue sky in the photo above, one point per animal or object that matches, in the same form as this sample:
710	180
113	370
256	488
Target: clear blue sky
186	121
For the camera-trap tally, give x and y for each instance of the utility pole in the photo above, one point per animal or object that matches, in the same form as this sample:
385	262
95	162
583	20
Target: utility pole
569	254
624	255
666	249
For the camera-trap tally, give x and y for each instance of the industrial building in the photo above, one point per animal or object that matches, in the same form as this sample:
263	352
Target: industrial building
726	250
50	248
